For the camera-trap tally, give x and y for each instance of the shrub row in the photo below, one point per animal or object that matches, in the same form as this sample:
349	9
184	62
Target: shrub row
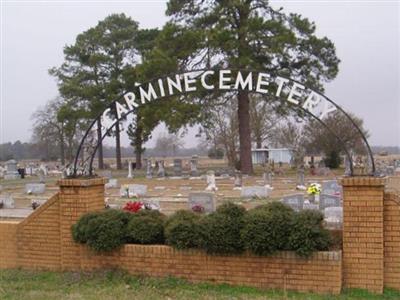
231	229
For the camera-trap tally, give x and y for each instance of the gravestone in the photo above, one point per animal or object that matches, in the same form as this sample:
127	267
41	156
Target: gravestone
390	170
112	183
133	190
211	185
106	174
333	215
295	201
161	168
11	170
202	199
2	172
35	188
254	191
130	175
328	201
331	187
238	180
8	201
149	174
308	205
347	169
178	167
193	166
300	176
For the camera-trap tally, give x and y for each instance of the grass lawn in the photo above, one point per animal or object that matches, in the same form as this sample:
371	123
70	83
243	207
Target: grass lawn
21	285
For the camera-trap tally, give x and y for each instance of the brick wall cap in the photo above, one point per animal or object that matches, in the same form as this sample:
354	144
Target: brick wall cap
363	181
84	182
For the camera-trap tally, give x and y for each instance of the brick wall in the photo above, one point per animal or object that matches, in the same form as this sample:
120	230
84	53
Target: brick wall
363	233
77	197
8	244
371	246
321	273
392	240
39	237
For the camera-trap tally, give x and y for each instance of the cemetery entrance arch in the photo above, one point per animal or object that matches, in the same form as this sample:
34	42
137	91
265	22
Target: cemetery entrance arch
296	95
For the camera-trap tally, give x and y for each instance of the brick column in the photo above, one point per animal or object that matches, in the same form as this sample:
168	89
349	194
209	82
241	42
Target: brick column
77	197
363	264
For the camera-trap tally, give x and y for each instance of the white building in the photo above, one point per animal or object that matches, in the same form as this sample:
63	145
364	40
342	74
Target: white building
260	156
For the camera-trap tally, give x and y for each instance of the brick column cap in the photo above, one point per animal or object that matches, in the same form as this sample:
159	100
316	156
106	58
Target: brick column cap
84	182
363	181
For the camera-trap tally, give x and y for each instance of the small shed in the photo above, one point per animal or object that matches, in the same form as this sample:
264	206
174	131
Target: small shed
263	155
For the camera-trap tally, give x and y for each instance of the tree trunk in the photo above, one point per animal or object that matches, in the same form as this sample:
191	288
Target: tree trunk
246	164
259	142
62	146
138	146
118	146
100	148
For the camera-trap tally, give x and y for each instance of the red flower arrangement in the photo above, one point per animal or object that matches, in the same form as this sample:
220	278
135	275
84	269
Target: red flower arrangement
133	206
198	208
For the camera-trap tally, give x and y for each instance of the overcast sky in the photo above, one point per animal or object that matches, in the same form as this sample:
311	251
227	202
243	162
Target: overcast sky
366	35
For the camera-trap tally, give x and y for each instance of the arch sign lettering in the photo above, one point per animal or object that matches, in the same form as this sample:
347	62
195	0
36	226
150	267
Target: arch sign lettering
292	92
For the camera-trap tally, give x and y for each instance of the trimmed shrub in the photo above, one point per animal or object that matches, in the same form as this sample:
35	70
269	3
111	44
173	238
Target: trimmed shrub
267	228
107	231
80	229
146	227
182	230
308	234
220	231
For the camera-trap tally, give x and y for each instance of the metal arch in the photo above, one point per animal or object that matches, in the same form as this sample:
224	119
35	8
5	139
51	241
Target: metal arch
79	151
292	106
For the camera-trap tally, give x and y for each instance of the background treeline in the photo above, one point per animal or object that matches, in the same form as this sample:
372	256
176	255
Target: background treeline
19	150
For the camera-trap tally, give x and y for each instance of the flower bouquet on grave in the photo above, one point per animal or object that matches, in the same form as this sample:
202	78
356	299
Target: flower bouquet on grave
314	189
134	206
198	208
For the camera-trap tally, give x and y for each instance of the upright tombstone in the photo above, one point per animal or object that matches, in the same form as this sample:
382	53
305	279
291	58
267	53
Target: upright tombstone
331	187
347	169
199	200
149	173
193	166
11	170
326	200
130	175
238	180
300	176
295	201
178	167
333	215
160	168
211	185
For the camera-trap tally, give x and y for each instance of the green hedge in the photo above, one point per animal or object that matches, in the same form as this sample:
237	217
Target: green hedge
229	230
267	228
182	230
308	235
220	231
146	227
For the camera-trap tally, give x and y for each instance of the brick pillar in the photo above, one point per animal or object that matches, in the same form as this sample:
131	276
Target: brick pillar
77	197
363	264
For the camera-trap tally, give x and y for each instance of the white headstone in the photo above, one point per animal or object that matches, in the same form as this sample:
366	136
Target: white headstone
295	201
254	191
211	185
35	188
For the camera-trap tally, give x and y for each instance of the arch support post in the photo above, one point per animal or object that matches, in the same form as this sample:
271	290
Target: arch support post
77	197
363	233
